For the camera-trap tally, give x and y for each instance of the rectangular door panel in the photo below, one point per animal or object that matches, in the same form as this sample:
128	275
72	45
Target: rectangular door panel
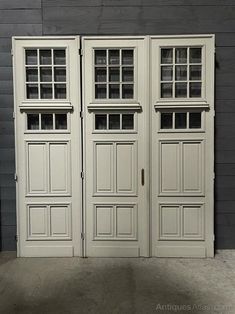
37	221
192	167
37	167
126	167
59	175
170	167
104	165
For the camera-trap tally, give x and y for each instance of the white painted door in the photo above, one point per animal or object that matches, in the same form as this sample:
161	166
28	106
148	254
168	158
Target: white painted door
116	147
182	164
144	151
48	146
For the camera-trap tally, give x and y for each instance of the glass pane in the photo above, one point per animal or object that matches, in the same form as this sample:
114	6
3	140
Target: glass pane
166	55
47	121
128	91
46	74
195	120
166	73
31	74
33	121
31	57
128	74
181	72
100	91
114	121
45	56
180	55
128	121
46	91
59	56
114	75
32	91
181	120
127	57
195	72
166	90
61	121
195	55
166	120
100	74
60	74
180	90
114	56
114	91
100	121
100	57
195	89
60	91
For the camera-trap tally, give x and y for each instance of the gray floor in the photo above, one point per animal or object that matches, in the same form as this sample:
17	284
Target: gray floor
121	285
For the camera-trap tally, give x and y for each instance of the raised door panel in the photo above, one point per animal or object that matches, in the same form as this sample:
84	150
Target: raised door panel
60	221
192	167
37	168
126	168
170	168
126	224
103	168
170	227
193	222
103	221
37	221
59	168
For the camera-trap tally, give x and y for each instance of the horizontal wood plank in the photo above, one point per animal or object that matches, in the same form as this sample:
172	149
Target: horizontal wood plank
8	30
19	16
20	4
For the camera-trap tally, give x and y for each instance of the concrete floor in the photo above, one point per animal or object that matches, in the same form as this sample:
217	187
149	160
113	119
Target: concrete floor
120	285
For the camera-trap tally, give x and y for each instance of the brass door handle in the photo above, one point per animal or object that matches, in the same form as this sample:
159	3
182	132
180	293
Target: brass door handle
142	176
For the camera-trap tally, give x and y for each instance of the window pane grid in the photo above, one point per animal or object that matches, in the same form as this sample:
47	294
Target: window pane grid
47	121
114	121
181	72
114	73
180	120
46	73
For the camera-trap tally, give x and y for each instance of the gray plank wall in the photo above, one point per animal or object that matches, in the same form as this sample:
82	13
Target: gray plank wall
104	17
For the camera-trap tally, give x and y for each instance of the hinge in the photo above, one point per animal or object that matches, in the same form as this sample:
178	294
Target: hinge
82	175
80	50
15	177
11	52
13	115
16	238
81	114
82	236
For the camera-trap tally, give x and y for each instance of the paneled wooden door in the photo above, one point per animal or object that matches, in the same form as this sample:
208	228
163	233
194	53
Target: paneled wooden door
116	147
48	146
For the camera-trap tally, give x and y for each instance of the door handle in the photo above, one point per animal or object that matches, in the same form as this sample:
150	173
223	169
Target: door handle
142	176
